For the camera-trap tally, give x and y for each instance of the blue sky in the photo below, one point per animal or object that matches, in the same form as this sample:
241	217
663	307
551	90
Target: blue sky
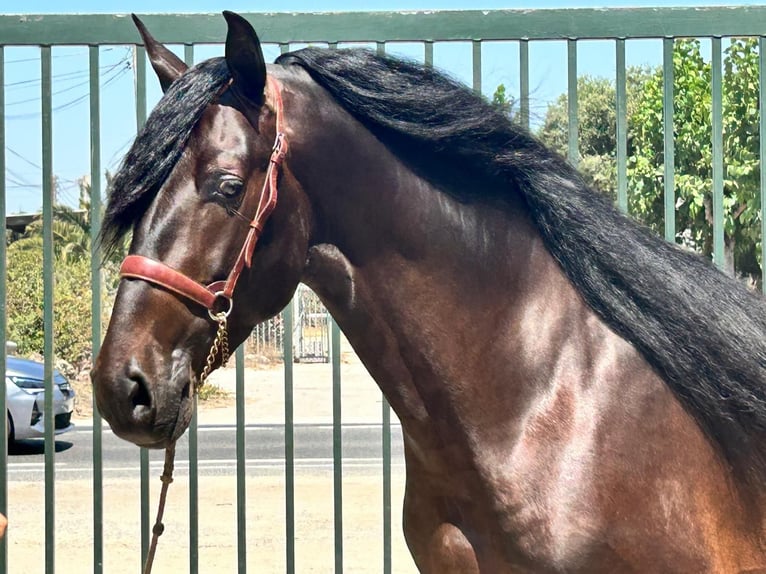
70	126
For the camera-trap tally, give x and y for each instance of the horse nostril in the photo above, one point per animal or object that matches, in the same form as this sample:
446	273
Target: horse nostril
139	393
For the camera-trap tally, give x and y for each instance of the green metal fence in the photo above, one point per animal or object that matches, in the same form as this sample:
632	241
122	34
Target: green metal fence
522	29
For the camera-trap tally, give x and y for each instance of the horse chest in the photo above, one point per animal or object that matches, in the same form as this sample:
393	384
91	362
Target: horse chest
453	523
456	514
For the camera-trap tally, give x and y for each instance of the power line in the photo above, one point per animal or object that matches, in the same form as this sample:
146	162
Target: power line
18	178
121	72
65	191
125	63
21	157
64	76
54	56
72	182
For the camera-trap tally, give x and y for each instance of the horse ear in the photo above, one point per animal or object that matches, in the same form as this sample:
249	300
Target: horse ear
245	57
166	64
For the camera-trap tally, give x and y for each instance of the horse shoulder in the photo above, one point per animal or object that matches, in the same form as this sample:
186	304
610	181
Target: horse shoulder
608	467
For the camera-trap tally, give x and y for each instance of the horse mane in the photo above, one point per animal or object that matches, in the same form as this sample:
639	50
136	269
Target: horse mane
158	147
703	332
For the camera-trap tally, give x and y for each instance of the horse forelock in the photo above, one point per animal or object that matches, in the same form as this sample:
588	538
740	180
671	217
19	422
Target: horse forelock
158	147
703	332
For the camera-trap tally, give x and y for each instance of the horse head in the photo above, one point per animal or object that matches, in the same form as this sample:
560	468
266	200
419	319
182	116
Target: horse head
197	189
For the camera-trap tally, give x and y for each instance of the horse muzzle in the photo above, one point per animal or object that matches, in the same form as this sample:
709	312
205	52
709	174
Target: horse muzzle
148	407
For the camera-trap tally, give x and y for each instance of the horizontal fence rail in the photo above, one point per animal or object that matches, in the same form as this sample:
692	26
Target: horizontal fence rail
304	332
440	26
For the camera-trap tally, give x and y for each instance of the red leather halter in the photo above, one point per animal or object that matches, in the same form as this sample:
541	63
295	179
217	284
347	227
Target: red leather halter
156	272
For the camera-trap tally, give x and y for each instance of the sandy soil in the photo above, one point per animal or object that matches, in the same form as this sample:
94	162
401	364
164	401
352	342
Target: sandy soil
264	402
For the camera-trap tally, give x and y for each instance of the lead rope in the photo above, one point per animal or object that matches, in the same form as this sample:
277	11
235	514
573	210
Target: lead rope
221	343
166	478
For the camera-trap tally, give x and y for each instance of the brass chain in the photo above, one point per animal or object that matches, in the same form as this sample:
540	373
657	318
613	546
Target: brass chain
221	343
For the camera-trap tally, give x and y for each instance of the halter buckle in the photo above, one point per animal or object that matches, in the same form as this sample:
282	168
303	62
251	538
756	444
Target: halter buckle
279	151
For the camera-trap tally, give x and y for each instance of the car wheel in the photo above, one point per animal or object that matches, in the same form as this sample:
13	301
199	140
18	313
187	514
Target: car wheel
9	428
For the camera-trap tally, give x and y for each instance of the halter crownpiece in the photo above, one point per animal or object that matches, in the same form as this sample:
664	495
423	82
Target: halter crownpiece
208	296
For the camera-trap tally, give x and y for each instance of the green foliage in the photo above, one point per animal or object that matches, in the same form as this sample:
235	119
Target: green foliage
597	144
71	294
596	107
71	239
72	280
504	101
210	392
741	141
692	120
693	156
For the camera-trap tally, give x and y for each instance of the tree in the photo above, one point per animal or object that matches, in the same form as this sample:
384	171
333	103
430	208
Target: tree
72	282
692	111
71	296
597	143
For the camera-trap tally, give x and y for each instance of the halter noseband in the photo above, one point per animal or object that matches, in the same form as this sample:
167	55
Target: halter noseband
208	296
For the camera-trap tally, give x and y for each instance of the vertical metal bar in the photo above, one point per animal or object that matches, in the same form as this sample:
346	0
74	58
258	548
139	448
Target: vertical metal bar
574	128
428	53
193	442
288	359
524	82
140	67
337	451
476	65
386	430
386	453
3	325
717	88
193	492
241	462
48	201
762	154
667	106
622	127
337	446
95	305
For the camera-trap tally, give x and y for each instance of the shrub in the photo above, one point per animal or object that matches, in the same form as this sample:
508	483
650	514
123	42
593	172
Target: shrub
71	303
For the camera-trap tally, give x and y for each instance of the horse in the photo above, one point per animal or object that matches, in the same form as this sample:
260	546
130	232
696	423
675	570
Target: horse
575	393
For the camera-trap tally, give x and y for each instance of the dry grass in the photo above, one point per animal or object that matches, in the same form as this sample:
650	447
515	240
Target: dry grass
212	395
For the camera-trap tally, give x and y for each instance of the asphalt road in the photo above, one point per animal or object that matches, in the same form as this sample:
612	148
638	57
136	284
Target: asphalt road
264	452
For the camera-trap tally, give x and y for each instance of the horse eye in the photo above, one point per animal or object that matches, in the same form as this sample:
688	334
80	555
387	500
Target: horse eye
230	186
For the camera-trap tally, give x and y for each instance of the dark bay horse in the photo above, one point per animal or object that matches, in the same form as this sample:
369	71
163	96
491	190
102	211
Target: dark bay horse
576	395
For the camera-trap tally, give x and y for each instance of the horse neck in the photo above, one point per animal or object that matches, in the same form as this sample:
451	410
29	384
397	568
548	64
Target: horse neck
426	288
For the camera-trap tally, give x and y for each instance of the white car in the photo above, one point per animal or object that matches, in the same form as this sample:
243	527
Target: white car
25	392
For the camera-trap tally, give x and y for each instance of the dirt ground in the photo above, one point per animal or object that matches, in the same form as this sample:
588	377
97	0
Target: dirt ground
314	539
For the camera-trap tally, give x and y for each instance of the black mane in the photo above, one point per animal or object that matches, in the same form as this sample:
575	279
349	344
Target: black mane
158	146
703	332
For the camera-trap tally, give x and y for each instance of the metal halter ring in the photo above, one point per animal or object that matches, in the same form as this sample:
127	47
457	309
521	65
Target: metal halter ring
221	314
